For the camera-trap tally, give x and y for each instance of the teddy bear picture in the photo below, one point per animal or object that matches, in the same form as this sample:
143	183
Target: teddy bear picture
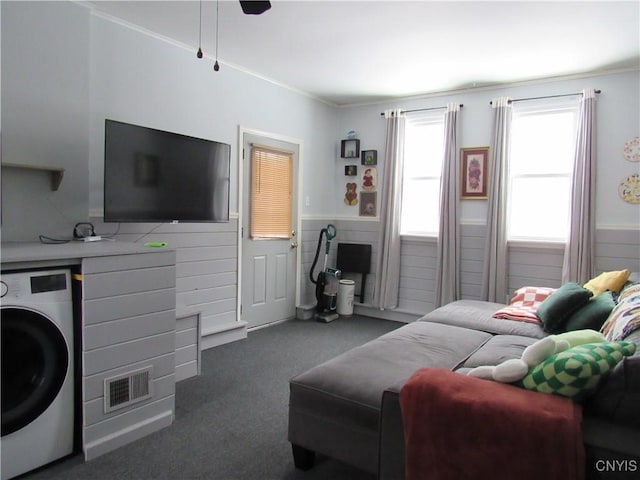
351	197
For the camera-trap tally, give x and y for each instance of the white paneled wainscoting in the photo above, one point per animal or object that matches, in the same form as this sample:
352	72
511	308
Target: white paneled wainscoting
207	266
206	271
529	263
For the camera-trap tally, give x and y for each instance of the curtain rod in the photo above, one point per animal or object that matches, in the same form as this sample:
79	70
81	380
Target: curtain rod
422	109
546	96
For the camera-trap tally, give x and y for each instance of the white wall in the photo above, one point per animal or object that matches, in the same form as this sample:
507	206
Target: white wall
618	120
138	78
64	70
45	117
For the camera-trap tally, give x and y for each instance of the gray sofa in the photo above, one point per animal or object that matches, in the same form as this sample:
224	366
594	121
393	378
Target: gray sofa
348	408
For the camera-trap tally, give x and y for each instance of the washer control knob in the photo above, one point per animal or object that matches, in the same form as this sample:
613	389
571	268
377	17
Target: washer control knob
3	289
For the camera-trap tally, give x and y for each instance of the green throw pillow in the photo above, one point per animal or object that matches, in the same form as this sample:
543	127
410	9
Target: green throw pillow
579	337
557	308
593	314
576	372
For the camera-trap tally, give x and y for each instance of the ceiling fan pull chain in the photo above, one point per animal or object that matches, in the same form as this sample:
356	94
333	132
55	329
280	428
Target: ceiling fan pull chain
216	66
199	54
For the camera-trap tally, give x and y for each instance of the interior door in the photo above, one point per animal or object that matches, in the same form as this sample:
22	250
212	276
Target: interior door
269	266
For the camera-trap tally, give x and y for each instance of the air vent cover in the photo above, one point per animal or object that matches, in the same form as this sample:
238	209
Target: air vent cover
127	389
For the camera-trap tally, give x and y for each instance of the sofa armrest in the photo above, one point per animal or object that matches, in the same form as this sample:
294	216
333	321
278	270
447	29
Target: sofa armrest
392	451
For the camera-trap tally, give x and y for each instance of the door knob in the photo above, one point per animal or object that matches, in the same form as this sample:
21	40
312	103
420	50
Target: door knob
294	244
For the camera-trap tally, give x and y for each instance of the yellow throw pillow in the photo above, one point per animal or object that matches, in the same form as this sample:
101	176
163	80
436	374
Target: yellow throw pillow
612	281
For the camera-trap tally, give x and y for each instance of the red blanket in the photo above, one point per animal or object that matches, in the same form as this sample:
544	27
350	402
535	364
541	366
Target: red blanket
458	427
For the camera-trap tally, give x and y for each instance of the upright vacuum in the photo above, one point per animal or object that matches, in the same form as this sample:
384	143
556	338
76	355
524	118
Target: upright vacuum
327	280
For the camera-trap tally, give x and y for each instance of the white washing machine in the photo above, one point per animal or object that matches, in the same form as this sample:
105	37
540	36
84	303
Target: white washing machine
36	316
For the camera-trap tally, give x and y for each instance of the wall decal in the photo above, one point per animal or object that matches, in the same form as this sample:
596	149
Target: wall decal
351	197
631	150
629	188
369	179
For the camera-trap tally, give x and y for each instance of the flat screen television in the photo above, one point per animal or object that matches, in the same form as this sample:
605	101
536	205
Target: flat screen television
156	176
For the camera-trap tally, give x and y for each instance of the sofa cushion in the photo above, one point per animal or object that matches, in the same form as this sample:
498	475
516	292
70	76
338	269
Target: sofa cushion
593	314
348	388
618	397
625	317
498	349
576	372
612	281
556	310
478	315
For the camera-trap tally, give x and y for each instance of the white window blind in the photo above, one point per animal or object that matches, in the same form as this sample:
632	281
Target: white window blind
271	190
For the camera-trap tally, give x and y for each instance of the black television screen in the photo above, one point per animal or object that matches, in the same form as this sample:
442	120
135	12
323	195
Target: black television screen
156	176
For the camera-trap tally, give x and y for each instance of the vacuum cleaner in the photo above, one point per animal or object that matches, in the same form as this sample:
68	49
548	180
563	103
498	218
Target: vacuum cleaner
327	280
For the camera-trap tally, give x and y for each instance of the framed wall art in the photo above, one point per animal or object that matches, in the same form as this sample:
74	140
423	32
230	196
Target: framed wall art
369	157
368	204
369	179
473	173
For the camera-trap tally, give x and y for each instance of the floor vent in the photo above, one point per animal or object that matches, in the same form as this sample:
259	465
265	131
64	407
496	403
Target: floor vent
127	389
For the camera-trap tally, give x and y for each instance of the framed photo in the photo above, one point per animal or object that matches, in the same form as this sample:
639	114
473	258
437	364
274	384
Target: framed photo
351	170
369	157
369	179
473	173
368	204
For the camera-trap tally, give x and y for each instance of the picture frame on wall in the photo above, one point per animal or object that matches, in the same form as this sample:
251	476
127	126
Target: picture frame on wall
474	169
369	157
368	204
351	170
369	179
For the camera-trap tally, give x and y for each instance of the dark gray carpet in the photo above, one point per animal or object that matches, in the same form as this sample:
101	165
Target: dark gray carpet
231	421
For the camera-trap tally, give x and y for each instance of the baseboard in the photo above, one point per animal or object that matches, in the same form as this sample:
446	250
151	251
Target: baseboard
127	435
230	333
395	315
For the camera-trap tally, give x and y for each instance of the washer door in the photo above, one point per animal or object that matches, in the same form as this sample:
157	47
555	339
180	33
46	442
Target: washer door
35	362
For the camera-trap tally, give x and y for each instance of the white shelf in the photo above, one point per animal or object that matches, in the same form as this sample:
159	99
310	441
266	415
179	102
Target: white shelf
56	172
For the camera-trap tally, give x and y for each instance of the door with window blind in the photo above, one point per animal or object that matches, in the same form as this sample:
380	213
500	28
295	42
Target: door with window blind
269	237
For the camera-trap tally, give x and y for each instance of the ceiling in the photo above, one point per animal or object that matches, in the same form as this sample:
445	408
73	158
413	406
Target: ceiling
352	52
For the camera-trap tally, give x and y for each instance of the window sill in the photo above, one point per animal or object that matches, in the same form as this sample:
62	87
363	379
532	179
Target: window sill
540	244
420	238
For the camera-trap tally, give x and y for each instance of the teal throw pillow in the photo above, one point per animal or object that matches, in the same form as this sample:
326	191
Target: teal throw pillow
554	312
575	373
592	314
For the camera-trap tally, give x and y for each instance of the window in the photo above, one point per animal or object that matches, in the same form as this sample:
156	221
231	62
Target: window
540	168
271	180
423	156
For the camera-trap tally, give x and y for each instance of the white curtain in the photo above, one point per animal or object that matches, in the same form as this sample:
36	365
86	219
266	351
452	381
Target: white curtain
448	254
578	263
494	281
388	262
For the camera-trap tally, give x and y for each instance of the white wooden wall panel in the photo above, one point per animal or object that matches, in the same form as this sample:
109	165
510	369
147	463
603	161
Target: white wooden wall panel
113	308
206	265
94	384
113	284
528	264
94	409
123	332
130	262
108	358
128	420
618	249
110	333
